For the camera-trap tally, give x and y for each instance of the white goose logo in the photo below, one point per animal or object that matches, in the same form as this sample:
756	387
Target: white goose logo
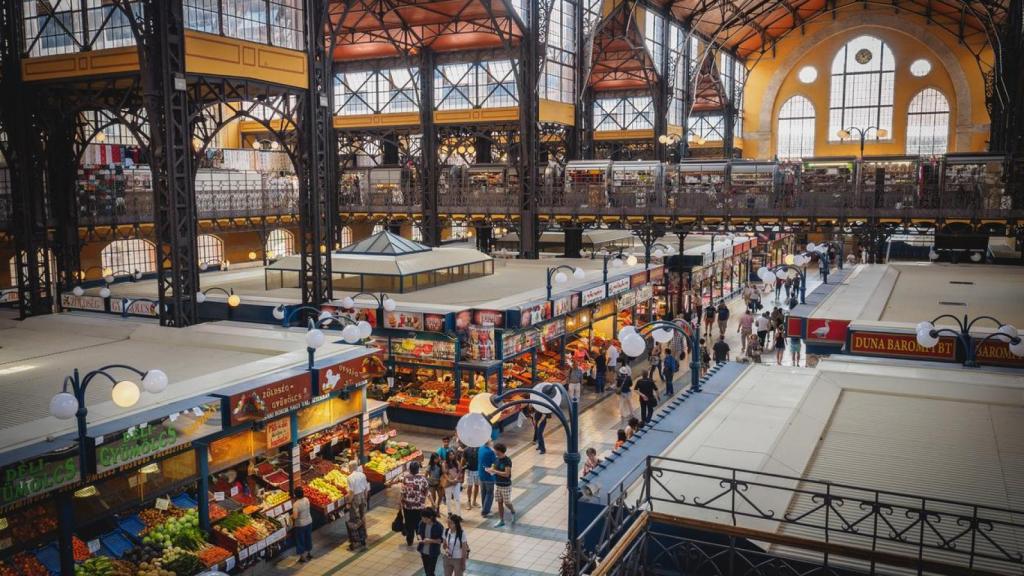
822	332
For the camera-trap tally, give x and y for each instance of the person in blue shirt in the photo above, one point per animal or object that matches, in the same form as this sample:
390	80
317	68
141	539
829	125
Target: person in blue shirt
669	368
486	460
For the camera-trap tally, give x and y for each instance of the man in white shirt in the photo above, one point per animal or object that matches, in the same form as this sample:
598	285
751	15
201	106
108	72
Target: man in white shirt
358	487
762	324
613	357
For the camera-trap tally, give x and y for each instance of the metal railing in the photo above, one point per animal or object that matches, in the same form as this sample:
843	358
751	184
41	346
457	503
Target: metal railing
137	205
837	526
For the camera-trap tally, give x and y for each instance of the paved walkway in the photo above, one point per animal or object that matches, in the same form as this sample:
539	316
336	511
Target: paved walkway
532	546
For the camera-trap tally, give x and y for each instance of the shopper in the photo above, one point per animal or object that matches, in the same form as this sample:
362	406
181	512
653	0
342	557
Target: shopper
655	359
709	318
591	462
355	525
469	456
485	460
414	498
429	533
721	350
705	357
574	380
624	386
435	473
794	350
744	329
754	349
620	438
789	288
777	318
358	487
453	477
779	344
613	357
632	426
540	420
762	324
755	302
723	317
600	371
648	393
455	547
669	367
502	471
778	287
302	520
445	447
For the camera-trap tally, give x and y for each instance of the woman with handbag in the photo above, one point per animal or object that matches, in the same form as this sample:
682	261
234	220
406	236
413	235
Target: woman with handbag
435	480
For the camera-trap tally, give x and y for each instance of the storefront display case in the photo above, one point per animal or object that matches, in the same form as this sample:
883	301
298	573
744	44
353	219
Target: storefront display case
638	183
752	184
971	180
354	186
388	185
826	182
701	183
587	183
890	181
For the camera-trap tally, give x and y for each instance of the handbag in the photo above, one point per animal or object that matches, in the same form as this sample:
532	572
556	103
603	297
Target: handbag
398	524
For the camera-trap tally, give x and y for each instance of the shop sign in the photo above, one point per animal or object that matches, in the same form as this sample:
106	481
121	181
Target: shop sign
552	330
83	302
591	295
638	279
618	286
39	475
627	300
279	432
534	314
148	439
433	322
426	349
996	352
462	320
270	400
481	343
645	293
403	320
349	373
605	309
135	307
900	345
794	326
826	331
494	318
567	304
656	275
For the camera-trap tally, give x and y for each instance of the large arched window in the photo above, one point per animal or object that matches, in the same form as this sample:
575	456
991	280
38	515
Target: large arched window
796	129
863	73
346	236
928	123
127	256
280	242
211	250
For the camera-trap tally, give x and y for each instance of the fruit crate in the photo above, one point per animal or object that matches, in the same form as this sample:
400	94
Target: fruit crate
116	543
132	525
49	557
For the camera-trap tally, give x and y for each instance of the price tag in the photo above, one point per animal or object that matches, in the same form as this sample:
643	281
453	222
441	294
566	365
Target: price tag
229	563
334	441
330	507
276	511
314	451
198	412
218	496
253	550
98	440
162	504
133	481
94	546
234	491
287	506
261	545
173	417
243	553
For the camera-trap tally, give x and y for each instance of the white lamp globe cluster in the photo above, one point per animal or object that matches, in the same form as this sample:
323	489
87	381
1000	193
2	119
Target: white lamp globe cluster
125	394
633	344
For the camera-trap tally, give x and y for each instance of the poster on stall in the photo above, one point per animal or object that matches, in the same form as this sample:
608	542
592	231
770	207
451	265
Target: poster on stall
495	318
656	275
638	279
349	373
403	320
279	432
423	349
269	400
516	343
83	302
591	295
481	343
116	449
627	300
534	314
433	322
135	307
567	304
551	330
618	286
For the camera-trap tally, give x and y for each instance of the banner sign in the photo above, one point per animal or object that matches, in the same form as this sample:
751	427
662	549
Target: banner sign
279	432
135	307
656	275
645	293
433	322
518	342
826	331
552	330
618	286
495	318
901	346
403	320
534	314
150	438
349	373
269	400
567	304
591	295
84	302
638	279
627	300
481	343
39	475
996	352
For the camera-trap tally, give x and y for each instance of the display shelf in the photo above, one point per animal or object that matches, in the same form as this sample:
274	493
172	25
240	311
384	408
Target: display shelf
636	184
587	182
827	182
890	181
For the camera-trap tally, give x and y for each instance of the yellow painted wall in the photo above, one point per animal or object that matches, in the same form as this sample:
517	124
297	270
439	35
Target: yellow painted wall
908	37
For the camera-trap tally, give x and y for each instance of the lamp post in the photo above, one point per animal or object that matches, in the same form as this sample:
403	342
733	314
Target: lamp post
796	264
108	276
928	336
234	300
384	303
561	277
352	333
658	250
617	259
862	134
661	331
474	430
822	251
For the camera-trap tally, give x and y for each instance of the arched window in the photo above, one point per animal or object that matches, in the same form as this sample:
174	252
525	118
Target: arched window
928	123
863	73
796	129
127	256
211	249
280	242
346	236
417	234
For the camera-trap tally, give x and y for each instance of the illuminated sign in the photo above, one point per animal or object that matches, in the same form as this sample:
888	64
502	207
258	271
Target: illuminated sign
826	331
150	438
38	475
900	345
618	286
349	373
270	400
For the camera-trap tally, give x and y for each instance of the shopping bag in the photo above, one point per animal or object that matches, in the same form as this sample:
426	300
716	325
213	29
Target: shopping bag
398	524
521	421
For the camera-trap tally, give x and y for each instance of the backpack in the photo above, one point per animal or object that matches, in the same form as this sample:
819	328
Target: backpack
625	384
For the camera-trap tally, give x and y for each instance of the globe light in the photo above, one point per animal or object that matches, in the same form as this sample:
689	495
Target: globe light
126	394
473	430
389	304
365	329
631	260
927	339
109	278
789	259
626	332
278	312
138	274
634	345
63	405
617	263
811	247
324	315
234	300
843	134
225	265
348	302
658	253
200	297
579	274
662	335
976	257
544	390
1009	329
77	291
883	133
155	381
933	255
561	278
925	326
350	334
252	255
104	292
1017	347
481	403
203	266
781	274
315	338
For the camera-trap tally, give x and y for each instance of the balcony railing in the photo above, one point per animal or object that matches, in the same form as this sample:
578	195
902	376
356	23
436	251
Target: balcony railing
724	517
137	206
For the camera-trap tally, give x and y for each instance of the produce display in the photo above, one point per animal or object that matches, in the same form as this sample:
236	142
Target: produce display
31	522
180	561
395	454
6	570
104	566
270	499
182	532
246	530
79	550
217	512
213	555
28	565
143	554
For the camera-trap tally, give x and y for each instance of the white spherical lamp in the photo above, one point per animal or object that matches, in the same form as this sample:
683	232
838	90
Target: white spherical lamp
350	334
200	297
543	392
1009	330
925	326
625	332
203	266
126	394
781	274
662	335
155	381
481	403
324	315
473	430
234	300
104	292
617	263
976	257
365	329
63	405
811	247
77	291
789	259
658	253
926	339
315	338
634	345
1017	348
763	272
389	304
278	312
631	260
579	274
348	302
109	278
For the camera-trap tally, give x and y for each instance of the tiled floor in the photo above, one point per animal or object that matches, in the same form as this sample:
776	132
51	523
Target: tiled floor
530	547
